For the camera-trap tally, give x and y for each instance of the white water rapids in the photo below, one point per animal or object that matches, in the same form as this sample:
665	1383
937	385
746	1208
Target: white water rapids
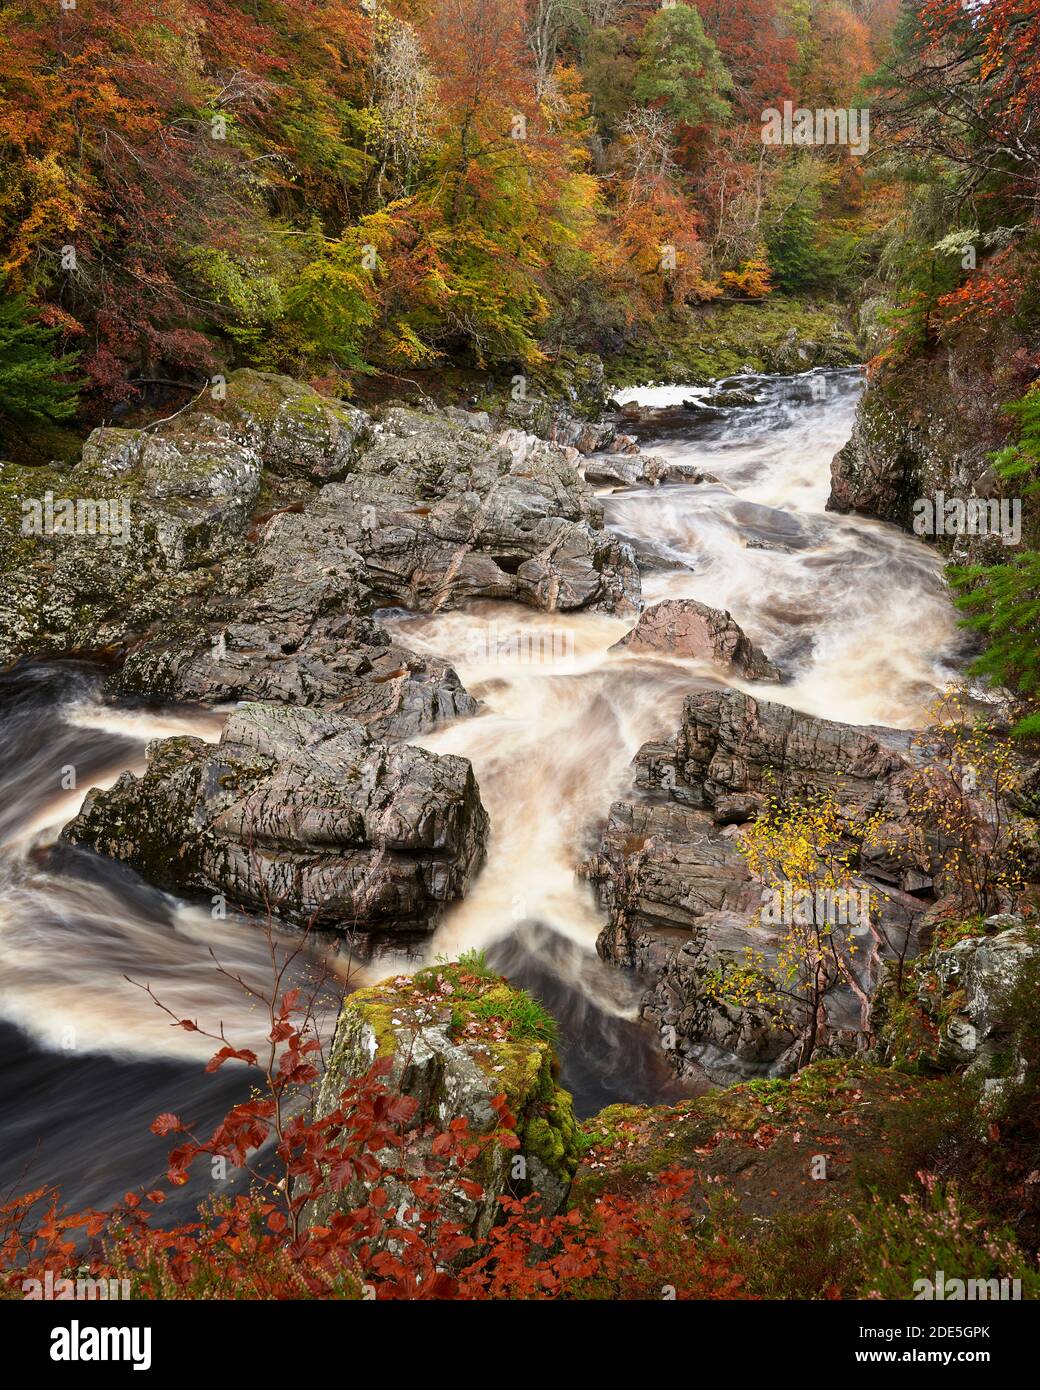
856	611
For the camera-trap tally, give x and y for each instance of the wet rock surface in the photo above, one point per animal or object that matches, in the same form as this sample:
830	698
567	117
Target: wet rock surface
297	813
425	509
442	513
293	628
687	628
682	904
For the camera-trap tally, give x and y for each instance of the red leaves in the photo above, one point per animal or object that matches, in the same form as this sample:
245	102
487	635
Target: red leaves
402	1231
166	1123
226	1054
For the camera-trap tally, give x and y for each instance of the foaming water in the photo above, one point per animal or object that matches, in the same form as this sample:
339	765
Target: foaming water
854	611
90	1058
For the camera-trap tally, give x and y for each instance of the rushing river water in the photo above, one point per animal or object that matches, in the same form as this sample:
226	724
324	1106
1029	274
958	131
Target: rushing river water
855	610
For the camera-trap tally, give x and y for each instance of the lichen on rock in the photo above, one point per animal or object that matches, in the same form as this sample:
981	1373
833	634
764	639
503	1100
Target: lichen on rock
458	1037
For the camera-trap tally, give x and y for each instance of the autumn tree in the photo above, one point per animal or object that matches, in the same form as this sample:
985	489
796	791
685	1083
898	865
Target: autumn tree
757	50
149	157
807	857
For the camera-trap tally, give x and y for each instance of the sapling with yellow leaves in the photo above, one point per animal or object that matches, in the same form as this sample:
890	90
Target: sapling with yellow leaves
962	803
806	856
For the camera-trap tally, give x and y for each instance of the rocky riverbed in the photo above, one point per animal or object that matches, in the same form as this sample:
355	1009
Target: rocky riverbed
472	688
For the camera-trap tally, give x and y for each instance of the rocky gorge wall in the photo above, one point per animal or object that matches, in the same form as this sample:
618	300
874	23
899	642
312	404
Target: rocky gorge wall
928	423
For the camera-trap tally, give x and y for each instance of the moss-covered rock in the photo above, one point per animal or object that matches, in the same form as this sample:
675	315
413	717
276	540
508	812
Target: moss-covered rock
296	431
89	556
698	345
929	423
153	512
955	1010
457	1038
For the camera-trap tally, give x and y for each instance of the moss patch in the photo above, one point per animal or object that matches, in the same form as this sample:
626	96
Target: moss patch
505	1032
696	346
756	1140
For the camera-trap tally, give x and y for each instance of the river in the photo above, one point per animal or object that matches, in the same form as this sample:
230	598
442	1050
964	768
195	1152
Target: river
854	610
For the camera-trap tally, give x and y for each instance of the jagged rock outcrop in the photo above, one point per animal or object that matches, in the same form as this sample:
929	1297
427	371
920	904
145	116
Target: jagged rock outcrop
298	813
287	628
881	470
680	904
925	432
257	531
341	662
959	1009
453	1048
686	628
441	513
733	752
641	470
680	898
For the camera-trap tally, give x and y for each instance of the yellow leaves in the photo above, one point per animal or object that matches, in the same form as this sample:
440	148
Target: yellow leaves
51	211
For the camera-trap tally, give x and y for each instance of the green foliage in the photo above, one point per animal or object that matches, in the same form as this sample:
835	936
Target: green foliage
33	380
810	253
610	67
1021	461
1004	603
331	304
523	1015
698	346
799	1255
789	242
680	67
1003	600
474	962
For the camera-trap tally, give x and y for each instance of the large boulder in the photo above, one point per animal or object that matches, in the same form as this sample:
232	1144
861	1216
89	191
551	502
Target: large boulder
455	1043
296	431
142	529
298	813
687	628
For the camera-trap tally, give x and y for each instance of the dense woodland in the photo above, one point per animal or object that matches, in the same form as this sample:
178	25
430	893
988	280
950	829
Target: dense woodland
335	189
